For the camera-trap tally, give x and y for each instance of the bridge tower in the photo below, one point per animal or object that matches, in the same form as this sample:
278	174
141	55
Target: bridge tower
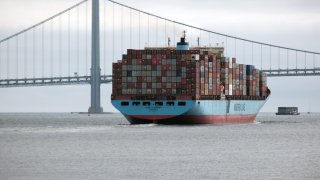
95	79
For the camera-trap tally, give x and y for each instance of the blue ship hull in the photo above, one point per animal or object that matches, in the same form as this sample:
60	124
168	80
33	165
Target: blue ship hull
189	111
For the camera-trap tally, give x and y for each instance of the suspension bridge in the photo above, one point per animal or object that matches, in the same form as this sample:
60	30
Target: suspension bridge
79	45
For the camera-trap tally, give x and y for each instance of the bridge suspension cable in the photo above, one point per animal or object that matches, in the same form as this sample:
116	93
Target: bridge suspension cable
44	21
209	31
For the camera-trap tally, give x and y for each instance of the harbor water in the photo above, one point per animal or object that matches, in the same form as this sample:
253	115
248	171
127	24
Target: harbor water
105	146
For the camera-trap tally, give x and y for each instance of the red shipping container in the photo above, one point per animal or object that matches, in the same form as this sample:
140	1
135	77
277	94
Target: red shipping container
154	61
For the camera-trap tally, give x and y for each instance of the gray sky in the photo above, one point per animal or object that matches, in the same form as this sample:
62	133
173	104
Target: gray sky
291	23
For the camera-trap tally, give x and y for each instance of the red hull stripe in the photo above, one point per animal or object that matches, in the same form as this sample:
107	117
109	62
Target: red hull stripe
199	119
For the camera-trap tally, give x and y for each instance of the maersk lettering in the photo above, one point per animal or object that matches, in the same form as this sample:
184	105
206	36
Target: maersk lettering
239	107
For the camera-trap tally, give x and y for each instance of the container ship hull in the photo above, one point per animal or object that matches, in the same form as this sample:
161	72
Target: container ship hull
190	111
186	86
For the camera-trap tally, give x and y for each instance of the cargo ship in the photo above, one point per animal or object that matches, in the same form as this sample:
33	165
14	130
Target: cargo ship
186	85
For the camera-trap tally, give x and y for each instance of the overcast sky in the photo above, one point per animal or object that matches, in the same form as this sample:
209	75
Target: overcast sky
290	23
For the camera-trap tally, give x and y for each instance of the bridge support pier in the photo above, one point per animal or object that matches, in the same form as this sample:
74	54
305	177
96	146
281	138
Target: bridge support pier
95	107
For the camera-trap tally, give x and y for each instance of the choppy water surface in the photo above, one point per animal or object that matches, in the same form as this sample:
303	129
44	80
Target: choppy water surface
78	146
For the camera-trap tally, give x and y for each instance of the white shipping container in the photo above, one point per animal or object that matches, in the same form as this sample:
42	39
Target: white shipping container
195	57
201	68
244	92
230	62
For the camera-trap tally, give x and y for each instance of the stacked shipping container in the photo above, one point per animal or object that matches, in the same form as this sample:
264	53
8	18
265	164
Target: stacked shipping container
159	74
193	74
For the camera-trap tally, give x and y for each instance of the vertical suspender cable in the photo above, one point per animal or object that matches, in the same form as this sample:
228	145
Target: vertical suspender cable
226	46
42	48
60	47
165	32
51	48
305	60
235	48
174	34
105	38
244	51
113	35
34	52
296	60
0	58
270	57
252	53
261	57
314	59
278	58
156	32
139	30
69	56
287	59
121	29
25	55
216	40
130	28
199	39
8	59
78	60
191	37
17	57
86	38
148	31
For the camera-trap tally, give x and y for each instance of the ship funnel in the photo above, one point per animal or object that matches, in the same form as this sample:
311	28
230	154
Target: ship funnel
183	45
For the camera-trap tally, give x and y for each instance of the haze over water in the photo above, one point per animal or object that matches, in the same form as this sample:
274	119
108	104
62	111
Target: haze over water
78	146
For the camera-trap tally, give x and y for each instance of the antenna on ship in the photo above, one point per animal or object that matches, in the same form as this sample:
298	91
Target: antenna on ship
184	34
198	40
